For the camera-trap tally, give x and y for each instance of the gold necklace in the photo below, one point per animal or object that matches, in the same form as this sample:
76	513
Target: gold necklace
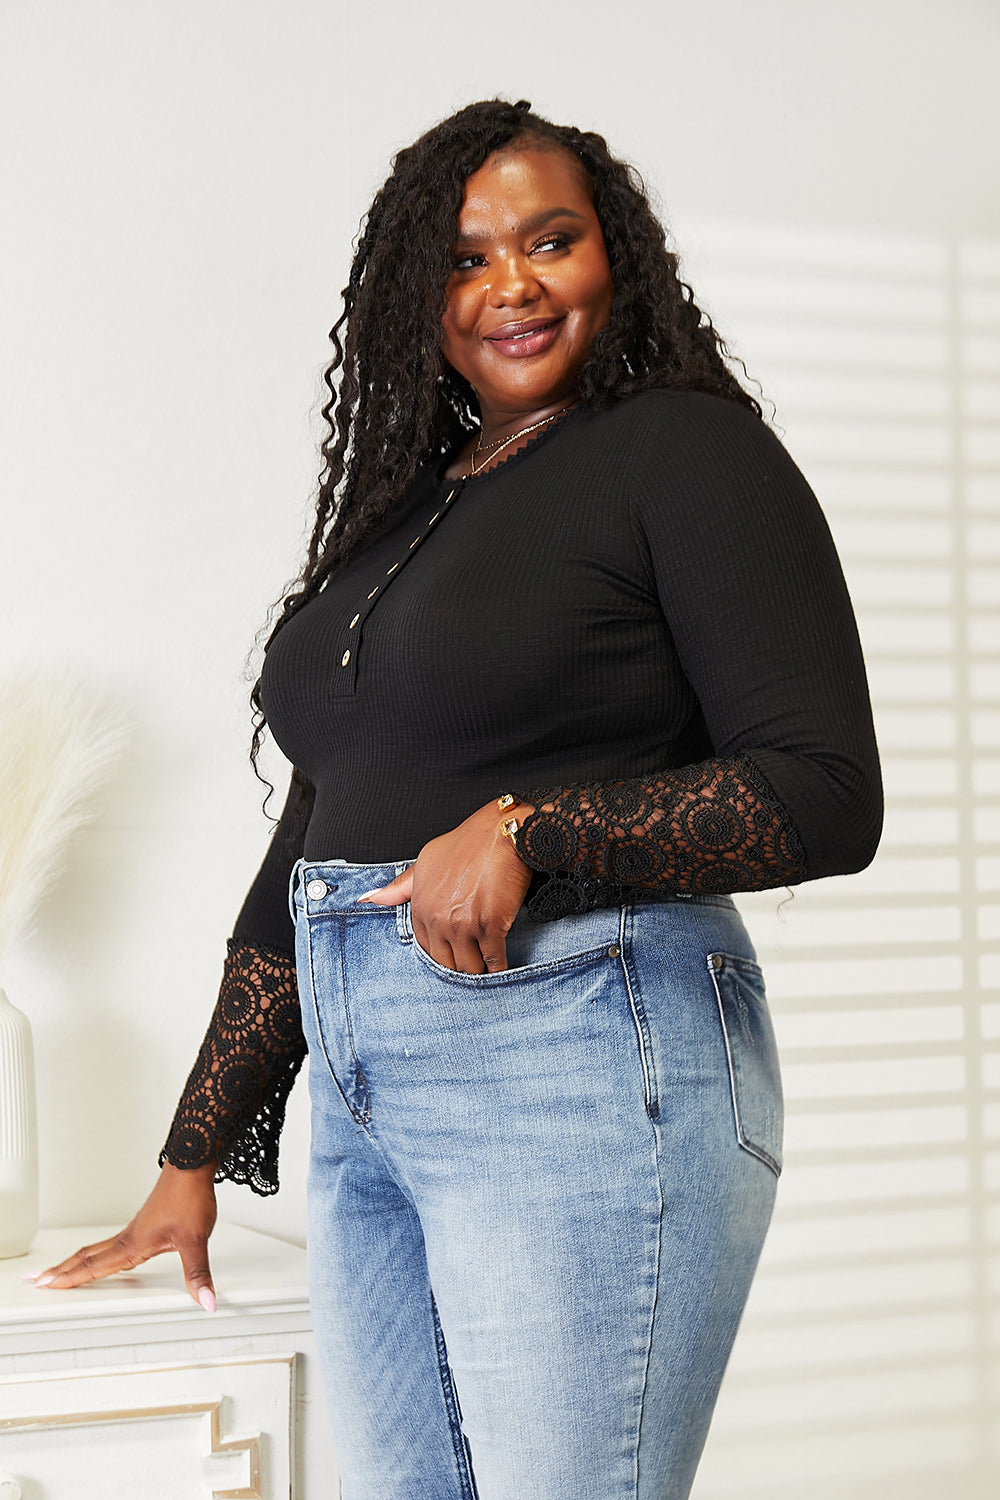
492	449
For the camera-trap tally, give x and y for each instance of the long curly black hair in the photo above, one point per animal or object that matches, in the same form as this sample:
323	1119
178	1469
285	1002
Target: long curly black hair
394	403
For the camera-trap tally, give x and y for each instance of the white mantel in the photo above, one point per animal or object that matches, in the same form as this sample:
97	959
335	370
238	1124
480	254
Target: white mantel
126	1390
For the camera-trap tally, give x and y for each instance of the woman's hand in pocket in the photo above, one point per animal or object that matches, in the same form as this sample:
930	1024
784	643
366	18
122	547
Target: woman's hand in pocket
464	890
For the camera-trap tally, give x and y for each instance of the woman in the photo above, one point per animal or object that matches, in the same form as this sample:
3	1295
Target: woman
572	632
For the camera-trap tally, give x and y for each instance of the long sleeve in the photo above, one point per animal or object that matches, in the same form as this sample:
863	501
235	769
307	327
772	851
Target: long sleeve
754	598
233	1104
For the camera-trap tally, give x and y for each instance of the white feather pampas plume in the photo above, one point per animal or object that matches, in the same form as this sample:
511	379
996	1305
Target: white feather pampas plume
57	749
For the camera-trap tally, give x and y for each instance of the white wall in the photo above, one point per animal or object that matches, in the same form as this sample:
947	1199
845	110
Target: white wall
180	185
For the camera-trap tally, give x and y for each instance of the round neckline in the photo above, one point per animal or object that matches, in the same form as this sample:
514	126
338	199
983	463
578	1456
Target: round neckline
527	447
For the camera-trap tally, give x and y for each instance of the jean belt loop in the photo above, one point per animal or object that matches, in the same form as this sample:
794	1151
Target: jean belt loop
293	883
404	927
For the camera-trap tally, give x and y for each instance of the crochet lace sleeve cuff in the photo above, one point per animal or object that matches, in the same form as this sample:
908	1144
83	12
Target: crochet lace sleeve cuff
233	1105
715	827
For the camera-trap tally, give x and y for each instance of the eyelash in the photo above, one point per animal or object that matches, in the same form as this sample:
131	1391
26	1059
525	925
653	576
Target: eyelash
558	241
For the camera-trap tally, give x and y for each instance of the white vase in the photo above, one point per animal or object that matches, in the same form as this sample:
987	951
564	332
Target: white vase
18	1133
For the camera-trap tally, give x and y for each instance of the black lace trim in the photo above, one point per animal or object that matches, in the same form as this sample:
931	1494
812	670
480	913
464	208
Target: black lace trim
715	827
233	1105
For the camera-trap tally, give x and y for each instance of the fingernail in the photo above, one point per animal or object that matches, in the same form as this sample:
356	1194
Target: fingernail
368	894
207	1299
43	1280
30	1275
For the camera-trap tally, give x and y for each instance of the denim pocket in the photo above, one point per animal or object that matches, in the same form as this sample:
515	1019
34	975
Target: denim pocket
538	950
520	974
751	1054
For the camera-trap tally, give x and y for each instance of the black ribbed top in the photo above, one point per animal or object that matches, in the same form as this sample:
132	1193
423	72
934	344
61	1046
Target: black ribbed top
636	591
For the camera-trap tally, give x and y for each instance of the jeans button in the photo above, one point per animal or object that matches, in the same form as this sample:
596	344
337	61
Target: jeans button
316	890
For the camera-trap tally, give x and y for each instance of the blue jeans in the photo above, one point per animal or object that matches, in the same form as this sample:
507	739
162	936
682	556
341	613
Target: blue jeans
537	1198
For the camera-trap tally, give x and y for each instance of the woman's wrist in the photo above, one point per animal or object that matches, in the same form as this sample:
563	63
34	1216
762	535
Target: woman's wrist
205	1169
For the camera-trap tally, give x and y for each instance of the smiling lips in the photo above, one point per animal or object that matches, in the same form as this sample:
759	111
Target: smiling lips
518	340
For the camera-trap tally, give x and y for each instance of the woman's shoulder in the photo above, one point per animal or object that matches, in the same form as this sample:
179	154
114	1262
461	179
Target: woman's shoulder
703	464
681	429
662	409
698	436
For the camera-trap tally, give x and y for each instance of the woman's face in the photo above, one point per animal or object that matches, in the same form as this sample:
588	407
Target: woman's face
531	284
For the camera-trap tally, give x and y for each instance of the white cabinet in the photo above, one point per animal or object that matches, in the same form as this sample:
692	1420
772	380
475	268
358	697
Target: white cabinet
125	1390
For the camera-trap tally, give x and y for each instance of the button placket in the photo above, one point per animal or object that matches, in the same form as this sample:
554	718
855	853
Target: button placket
345	660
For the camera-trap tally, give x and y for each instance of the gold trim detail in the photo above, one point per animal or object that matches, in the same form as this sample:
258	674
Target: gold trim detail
213	1409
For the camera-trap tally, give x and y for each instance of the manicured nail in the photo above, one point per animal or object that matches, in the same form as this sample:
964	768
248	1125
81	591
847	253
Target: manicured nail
207	1299
30	1275
369	894
43	1280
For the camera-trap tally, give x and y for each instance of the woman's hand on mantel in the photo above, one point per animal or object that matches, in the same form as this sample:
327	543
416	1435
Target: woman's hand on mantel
179	1214
465	889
